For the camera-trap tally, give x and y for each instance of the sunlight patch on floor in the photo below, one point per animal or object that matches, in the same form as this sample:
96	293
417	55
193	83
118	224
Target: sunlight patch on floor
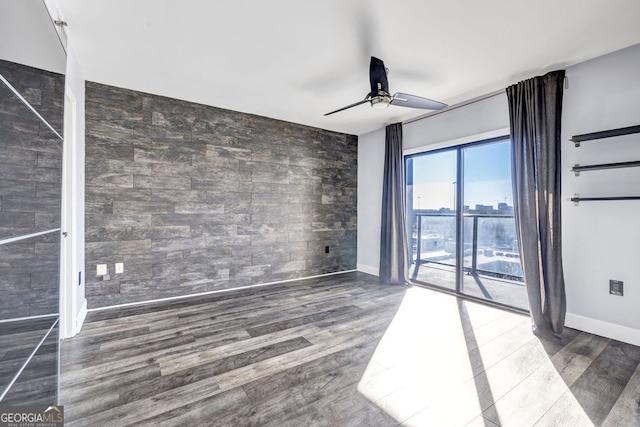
448	362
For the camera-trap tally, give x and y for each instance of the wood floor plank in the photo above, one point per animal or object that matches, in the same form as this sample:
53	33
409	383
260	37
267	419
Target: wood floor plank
577	356
275	387
323	383
139	350
244	375
219	409
176	361
139	410
497	349
566	412
302	320
626	410
527	401
195	373
503	371
600	386
461	405
75	393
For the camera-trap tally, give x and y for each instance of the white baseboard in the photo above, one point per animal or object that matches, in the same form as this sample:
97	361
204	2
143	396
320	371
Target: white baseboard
82	314
368	269
604	329
259	285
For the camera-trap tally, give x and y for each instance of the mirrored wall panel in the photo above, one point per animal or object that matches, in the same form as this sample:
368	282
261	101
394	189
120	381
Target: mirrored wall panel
31	122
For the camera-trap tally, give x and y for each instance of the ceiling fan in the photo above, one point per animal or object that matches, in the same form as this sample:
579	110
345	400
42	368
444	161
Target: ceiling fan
379	97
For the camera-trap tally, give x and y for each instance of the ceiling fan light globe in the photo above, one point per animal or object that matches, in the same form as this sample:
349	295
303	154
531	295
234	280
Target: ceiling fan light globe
380	102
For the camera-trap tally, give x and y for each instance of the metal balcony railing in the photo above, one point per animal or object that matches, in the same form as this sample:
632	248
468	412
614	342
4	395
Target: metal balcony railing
489	239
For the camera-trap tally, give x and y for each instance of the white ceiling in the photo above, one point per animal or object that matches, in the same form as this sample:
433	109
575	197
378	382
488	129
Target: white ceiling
295	60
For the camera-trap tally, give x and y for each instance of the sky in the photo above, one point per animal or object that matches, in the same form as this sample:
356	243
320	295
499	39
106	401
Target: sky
487	176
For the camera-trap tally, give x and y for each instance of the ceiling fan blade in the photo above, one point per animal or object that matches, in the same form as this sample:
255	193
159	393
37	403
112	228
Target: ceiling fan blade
413	101
349	106
378	76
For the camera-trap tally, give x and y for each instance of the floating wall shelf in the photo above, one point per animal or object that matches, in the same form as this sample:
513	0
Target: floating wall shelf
576	199
577	168
577	139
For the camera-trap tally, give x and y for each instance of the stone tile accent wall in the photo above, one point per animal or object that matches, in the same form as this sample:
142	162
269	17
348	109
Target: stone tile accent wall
30	176
193	198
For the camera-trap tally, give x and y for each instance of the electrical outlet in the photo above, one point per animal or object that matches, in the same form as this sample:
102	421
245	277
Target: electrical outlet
101	269
616	287
326	249
119	267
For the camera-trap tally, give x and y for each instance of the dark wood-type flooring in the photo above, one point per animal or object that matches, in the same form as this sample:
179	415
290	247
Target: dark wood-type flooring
340	350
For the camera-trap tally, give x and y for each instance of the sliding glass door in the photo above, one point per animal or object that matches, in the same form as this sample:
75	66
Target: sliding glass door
460	222
431	202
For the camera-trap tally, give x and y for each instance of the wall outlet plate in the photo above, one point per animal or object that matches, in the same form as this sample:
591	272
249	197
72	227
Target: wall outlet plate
119	267
616	287
101	269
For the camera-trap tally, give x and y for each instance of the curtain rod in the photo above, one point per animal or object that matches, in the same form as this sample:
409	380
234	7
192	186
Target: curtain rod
469	102
455	106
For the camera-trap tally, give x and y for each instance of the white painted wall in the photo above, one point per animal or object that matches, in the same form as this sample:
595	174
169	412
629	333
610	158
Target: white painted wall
473	119
370	172
73	304
601	240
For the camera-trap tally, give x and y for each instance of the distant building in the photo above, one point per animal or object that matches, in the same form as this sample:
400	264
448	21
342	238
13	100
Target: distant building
505	208
484	208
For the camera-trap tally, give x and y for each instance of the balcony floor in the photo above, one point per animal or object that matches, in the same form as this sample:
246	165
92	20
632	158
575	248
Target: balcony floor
503	291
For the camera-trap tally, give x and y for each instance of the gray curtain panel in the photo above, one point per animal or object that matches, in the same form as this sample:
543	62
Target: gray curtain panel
394	249
535	110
